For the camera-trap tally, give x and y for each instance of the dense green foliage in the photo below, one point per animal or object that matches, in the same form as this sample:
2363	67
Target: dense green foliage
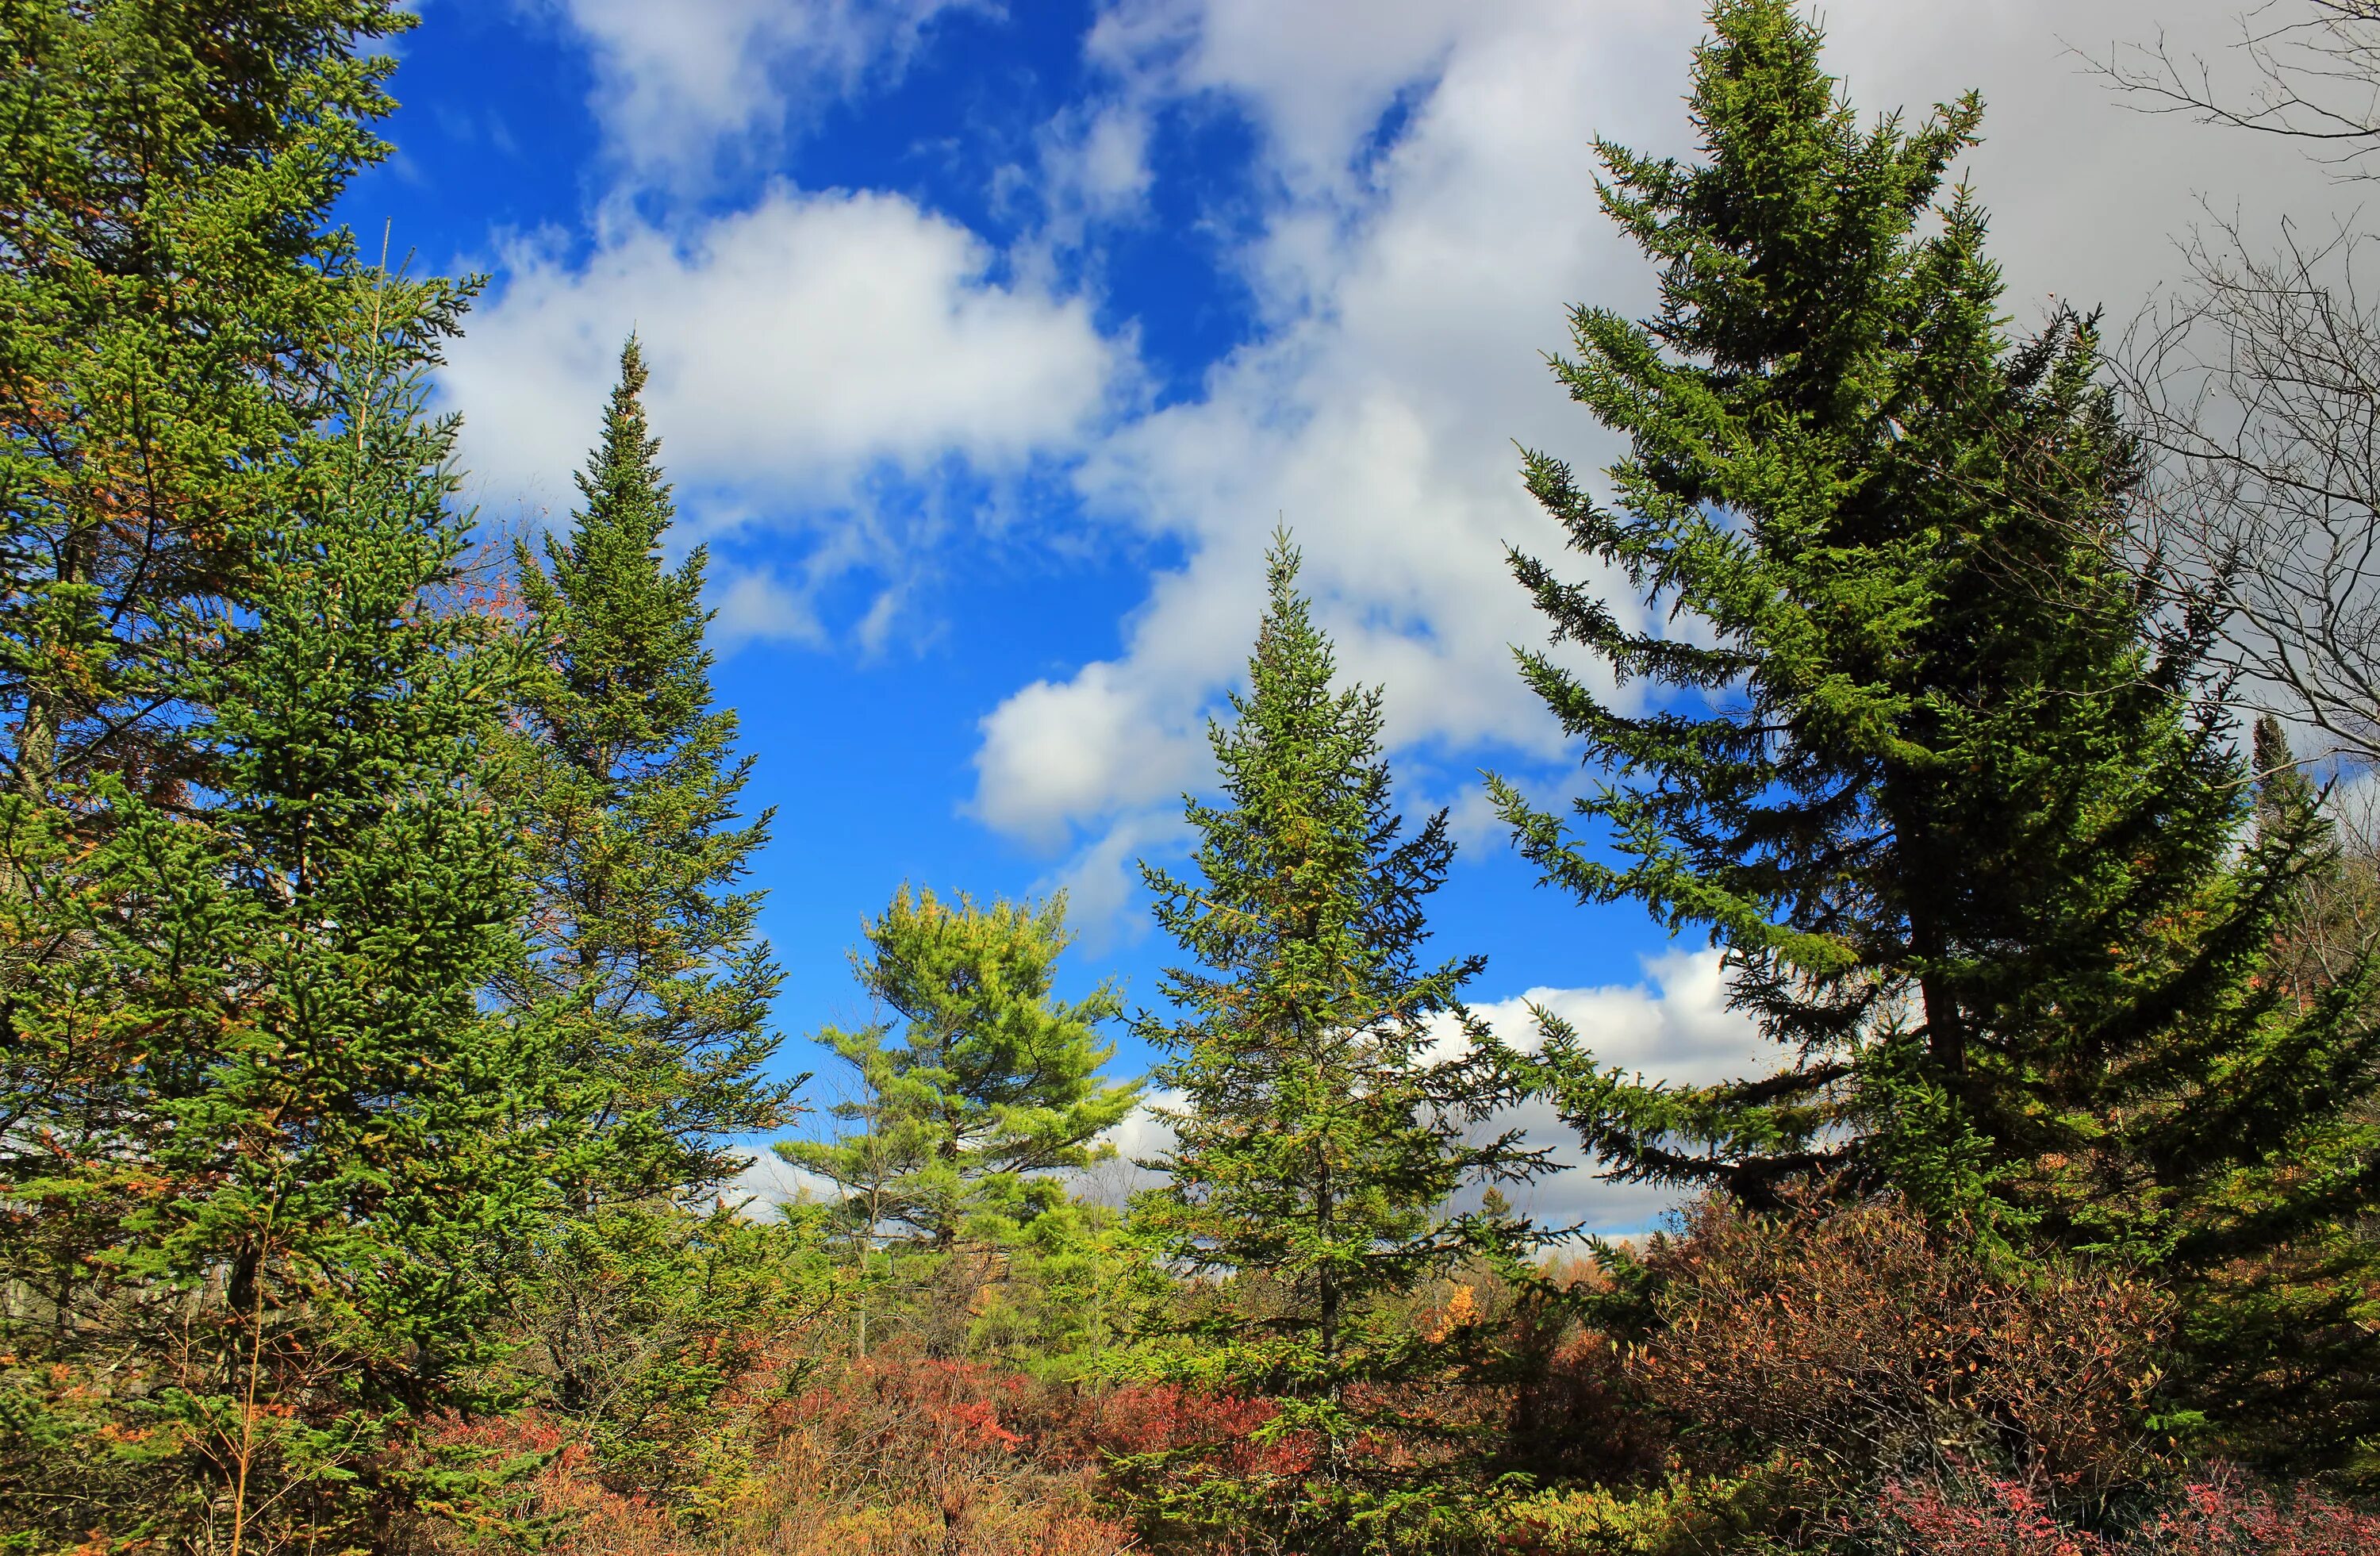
643	959
263	1150
642	945
1915	753
168	297
286	1155
988	1085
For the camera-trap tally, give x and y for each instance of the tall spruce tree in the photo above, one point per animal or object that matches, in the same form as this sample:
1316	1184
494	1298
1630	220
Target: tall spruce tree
1321	1136
255	1140
1919	758
268	1246
643	942
645	955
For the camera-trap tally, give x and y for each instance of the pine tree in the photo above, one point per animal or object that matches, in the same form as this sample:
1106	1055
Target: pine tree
987	1085
1919	755
643	948
269	1249
1320	1138
257	1144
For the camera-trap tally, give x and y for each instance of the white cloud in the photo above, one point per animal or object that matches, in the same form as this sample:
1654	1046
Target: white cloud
768	1181
1376	422
1316	83
759	606
1105	901
1094	744
819	362
680	85
1673	1025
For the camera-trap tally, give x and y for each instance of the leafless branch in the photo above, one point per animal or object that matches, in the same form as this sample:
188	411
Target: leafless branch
2258	386
2307	71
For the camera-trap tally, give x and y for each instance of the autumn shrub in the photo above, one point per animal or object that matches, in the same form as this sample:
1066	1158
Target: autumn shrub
893	1457
1862	1337
1679	1515
2221	1514
904	1454
1573	1410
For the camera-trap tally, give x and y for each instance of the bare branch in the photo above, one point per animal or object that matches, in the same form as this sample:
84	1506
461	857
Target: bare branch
2306	70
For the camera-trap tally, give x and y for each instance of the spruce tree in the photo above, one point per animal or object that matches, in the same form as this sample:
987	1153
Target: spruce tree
269	1249
1322	1134
169	287
644	949
1919	755
643	935
256	1142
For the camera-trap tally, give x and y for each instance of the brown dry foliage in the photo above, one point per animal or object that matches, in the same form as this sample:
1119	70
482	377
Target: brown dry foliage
889	1457
1858	1336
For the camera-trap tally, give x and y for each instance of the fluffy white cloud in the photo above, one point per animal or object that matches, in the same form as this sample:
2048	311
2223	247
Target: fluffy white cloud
768	1181
1673	1025
1096	743
678	86
1433	214
796	347
1377	420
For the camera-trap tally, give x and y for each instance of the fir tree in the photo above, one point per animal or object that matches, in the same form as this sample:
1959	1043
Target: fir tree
1923	762
256	1141
234	1313
1321	1140
980	1086
643	948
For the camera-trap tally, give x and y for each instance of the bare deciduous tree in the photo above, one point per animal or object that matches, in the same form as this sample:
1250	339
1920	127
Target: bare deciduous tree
2258	386
2256	382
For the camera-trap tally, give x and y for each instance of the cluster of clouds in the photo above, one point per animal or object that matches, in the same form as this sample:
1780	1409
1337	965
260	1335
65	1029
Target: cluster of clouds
1425	211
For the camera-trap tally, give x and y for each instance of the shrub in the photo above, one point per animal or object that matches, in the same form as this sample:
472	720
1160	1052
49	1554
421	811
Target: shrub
895	1456
2221	1515
1862	1337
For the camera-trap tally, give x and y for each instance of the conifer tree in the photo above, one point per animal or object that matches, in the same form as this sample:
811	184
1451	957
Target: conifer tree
271	1248
978	1087
257	1144
643	951
642	938
1922	760
1321	1137
991	1083
169	289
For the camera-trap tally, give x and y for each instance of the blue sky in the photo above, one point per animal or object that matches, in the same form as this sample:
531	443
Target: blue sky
991	341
